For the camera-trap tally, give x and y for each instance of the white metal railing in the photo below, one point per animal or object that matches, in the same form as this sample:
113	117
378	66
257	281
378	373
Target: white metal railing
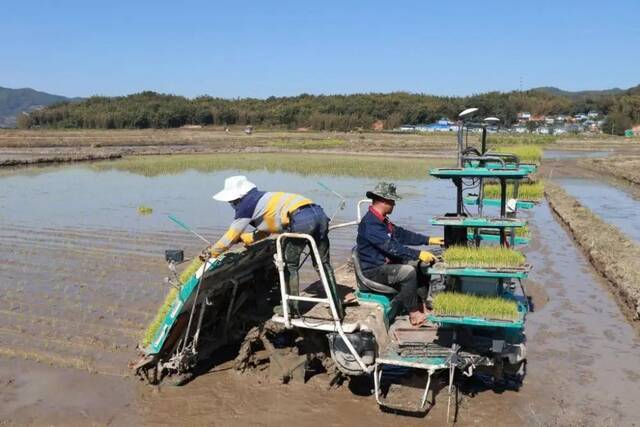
358	216
337	322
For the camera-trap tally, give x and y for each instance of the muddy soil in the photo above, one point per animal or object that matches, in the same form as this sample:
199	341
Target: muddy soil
579	345
74	301
614	205
626	168
612	253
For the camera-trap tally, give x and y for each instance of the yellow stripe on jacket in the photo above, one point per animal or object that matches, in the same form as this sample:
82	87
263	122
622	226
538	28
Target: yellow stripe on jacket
271	215
295	205
229	238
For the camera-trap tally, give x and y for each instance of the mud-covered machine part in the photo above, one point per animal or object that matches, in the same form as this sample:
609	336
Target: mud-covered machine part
364	343
216	307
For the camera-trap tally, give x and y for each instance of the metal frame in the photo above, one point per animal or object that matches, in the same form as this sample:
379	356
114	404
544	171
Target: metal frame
358	216
377	379
337	322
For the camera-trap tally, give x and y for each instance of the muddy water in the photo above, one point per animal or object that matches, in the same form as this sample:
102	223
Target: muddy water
81	275
610	203
582	353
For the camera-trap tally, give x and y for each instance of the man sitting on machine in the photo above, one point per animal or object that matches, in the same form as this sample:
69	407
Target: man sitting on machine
384	258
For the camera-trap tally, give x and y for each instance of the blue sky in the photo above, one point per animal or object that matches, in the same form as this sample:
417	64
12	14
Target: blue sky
261	48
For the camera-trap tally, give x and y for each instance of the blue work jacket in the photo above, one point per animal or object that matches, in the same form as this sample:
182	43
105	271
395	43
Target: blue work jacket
382	242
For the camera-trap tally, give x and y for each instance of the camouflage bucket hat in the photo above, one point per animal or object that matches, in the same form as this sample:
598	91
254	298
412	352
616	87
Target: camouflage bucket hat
384	190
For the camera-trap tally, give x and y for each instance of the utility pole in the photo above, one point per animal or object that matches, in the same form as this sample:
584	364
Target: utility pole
520	83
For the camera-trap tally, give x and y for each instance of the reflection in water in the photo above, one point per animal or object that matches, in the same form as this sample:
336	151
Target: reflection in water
106	195
613	205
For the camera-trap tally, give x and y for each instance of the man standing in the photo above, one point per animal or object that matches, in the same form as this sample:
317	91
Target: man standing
384	253
276	212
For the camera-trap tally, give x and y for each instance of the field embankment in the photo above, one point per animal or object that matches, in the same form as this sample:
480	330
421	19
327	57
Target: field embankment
50	145
626	168
610	251
219	139
44	159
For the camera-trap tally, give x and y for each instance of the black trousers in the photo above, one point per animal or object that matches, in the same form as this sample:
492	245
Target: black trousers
405	278
313	221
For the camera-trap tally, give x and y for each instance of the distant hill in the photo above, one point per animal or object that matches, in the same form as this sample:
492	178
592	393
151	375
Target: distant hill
16	101
634	90
582	94
326	112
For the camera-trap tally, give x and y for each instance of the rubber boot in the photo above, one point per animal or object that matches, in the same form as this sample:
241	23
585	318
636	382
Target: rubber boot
333	286
293	288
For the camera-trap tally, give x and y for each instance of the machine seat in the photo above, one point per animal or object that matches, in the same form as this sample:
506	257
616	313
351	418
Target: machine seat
367	285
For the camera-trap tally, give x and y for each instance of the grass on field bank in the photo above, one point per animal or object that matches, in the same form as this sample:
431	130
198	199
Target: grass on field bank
457	304
501	139
310	144
158	320
526	191
483	257
314	164
526	153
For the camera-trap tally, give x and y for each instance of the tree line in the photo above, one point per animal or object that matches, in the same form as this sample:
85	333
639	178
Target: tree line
318	112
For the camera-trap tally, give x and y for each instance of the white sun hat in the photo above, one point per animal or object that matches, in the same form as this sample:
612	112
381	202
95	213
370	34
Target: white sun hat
234	188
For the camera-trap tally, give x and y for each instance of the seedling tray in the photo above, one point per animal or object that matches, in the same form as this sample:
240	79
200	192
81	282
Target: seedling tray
477	172
520	204
482	322
497	273
519	240
463	221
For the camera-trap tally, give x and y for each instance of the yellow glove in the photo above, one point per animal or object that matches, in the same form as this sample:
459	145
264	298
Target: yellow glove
247	238
436	241
427	257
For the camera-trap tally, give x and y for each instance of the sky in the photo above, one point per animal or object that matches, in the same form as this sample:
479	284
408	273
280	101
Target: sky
281	48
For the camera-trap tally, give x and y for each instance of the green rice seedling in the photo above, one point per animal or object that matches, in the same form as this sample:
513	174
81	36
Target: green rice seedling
501	139
186	274
525	153
523	231
526	191
483	257
305	165
155	324
145	210
457	304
